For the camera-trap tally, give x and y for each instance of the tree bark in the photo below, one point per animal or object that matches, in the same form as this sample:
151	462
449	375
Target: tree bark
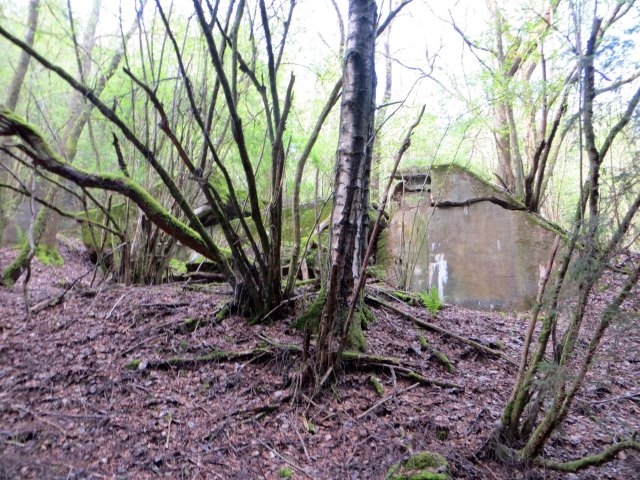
349	216
13	94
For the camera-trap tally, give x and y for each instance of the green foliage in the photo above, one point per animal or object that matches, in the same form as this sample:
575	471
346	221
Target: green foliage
308	425
49	255
285	472
442	434
133	364
178	266
376	271
431	300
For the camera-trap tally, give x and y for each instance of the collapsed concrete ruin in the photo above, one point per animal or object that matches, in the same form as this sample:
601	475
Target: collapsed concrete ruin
448	229
451	230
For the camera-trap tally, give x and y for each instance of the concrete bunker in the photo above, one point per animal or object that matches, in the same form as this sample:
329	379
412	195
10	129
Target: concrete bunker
451	230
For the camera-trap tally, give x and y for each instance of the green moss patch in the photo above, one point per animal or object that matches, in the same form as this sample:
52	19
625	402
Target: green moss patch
133	364
312	315
420	466
443	360
377	385
48	255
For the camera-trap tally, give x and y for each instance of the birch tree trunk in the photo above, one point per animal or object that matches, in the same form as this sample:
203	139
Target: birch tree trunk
349	217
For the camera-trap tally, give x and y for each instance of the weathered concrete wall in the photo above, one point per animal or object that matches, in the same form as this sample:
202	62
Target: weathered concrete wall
479	255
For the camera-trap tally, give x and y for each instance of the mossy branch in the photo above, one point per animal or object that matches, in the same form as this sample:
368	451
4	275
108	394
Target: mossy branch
43	156
590	461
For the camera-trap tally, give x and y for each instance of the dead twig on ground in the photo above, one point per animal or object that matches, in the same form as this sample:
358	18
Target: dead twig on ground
386	399
284	459
115	305
52	302
348	358
632	396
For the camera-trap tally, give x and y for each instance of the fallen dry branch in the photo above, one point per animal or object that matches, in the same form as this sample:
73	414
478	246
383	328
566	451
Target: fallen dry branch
213	356
386	399
440	330
52	302
633	396
359	359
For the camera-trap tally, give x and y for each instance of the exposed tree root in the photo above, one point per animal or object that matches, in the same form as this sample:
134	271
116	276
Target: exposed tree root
590	461
503	453
213	356
442	331
349	359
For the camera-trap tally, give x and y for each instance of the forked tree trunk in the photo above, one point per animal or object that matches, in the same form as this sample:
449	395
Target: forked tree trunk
13	94
349	217
46	222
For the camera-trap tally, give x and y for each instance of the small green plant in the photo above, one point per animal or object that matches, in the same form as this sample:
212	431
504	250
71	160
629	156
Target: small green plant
310	427
431	300
133	364
285	472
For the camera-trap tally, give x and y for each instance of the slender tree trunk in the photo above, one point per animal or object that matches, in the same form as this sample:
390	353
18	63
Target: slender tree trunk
353	167
382	112
503	144
13	93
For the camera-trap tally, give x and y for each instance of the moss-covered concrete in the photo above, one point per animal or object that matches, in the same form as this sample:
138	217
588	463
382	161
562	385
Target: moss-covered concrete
480	255
119	214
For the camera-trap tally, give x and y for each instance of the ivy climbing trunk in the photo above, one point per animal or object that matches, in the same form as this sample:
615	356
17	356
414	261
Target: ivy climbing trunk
349	217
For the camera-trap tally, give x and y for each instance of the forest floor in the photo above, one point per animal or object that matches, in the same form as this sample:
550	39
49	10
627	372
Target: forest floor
71	409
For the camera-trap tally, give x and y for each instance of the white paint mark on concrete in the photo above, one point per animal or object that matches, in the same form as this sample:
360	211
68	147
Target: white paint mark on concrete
541	275
466	210
499	246
438	269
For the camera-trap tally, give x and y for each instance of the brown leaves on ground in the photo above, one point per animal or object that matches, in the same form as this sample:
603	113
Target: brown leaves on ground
69	407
